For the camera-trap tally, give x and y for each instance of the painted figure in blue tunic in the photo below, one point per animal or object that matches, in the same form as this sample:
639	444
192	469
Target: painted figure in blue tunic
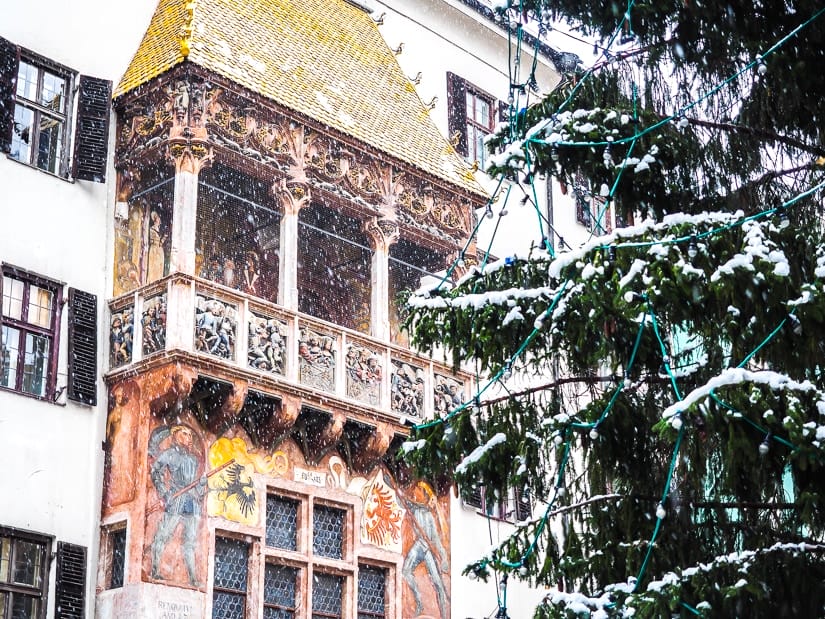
176	475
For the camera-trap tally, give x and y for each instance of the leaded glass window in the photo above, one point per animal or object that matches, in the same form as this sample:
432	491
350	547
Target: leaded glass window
372	582
328	532
327	596
230	584
281	522
117	540
280	584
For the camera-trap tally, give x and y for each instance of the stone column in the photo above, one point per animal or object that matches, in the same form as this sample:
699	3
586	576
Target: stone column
293	196
383	232
190	153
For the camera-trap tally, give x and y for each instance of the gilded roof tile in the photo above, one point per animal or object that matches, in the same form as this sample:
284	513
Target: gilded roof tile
323	58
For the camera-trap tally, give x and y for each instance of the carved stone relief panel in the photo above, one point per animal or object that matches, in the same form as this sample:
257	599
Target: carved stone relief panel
267	344
407	389
153	324
448	393
216	326
121	337
316	359
364	373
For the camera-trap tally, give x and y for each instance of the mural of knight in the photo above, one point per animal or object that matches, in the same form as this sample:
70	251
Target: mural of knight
260	387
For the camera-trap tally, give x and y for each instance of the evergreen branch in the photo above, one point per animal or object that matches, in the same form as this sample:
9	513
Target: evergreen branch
760	133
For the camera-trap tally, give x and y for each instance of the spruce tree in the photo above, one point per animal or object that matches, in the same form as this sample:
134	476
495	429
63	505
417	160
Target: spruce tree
670	412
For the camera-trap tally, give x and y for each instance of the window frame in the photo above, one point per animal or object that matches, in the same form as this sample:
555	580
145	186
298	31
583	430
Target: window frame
229	536
476	151
53	331
306	563
40	593
109	535
43	65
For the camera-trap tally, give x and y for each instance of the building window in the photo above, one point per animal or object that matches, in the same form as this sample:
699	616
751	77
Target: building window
592	211
28	327
280	587
36	97
231	575
372	594
327	596
308	564
40	109
281	522
479	125
23	571
117	550
515	506
328	532
471	115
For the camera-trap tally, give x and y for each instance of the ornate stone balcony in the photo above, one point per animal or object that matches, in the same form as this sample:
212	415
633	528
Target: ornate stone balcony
229	338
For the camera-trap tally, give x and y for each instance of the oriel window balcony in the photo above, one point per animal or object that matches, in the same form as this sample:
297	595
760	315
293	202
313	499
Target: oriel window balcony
219	327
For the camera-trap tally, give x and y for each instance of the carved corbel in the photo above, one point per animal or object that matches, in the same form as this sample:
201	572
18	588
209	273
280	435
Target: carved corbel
383	232
367	449
166	388
293	195
316	432
267	419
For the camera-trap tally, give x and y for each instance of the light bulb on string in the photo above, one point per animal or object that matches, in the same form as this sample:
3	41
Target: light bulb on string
611	253
784	220
488	213
676	422
476	405
692	249
594	432
660	511
558	440
507	372
761	67
765	445
608	157
795	323
554	154
460	262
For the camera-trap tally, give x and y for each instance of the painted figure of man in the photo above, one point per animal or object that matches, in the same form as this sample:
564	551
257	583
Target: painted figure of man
176	475
427	542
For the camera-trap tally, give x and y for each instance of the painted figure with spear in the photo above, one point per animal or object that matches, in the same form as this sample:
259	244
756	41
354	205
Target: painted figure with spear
176	476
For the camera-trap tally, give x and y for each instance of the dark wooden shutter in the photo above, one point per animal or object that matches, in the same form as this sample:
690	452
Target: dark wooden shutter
70	596
9	59
457	110
475	498
503	112
524	506
82	347
91	139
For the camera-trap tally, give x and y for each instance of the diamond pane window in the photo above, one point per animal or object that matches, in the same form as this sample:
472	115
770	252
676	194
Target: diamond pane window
281	522
372	583
280	585
328	532
117	540
231	571
327	596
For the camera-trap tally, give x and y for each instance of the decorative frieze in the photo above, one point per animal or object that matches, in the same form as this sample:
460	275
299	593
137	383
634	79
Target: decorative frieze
153	324
121	337
364	374
267	347
407	389
316	359
216	326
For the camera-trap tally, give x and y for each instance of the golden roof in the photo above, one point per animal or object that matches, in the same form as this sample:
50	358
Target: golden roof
323	58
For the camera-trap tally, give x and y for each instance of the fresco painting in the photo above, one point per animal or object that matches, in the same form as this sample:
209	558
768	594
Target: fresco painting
232	493
174	515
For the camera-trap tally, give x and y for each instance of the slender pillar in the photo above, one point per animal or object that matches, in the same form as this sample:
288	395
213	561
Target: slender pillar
293	197
383	233
190	155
